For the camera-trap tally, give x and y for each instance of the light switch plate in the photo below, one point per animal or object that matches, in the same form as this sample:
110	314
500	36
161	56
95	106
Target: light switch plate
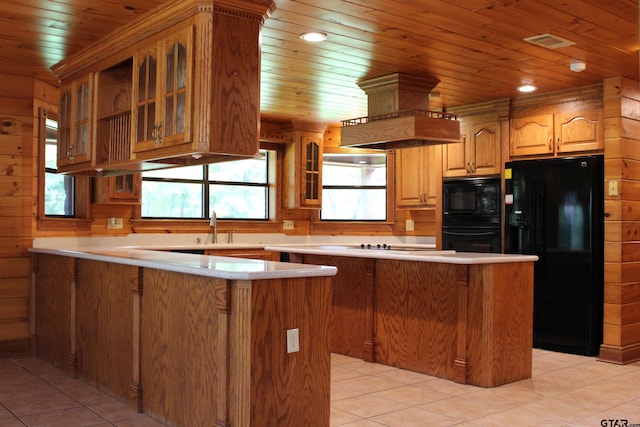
293	340
613	187
410	225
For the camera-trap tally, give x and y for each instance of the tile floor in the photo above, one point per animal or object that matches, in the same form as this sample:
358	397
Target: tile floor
566	390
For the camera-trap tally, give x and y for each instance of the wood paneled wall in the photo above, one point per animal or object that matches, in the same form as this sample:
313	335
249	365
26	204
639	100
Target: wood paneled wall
621	342
16	190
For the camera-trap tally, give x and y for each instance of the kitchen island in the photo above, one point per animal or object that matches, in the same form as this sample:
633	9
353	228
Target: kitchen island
192	340
467	317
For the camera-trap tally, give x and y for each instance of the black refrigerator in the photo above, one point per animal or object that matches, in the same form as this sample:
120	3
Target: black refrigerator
554	209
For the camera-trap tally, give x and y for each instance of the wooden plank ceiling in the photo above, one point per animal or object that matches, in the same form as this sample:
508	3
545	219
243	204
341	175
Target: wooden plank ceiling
474	47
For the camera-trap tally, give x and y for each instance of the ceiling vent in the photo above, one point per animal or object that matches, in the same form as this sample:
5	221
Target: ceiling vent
549	41
399	116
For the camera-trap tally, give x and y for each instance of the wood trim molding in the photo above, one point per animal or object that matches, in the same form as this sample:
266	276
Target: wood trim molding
460	361
581	94
19	347
621	355
135	386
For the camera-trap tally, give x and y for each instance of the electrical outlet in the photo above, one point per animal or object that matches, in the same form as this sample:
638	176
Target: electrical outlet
410	225
287	224
613	187
293	340
115	223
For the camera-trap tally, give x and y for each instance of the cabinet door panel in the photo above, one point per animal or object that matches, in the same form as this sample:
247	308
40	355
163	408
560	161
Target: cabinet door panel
410	177
177	81
532	135
455	158
579	131
485	147
75	124
145	85
64	126
163	82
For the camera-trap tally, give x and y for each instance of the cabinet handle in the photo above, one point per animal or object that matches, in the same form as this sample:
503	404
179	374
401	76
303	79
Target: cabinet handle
550	144
156	135
473	167
70	155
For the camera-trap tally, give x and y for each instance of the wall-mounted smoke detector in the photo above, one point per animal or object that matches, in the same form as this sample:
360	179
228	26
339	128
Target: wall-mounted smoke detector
549	41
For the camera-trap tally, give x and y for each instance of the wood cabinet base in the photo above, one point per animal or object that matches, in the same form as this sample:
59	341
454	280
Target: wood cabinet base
189	350
469	323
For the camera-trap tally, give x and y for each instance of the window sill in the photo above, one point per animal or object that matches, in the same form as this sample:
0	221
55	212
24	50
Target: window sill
64	224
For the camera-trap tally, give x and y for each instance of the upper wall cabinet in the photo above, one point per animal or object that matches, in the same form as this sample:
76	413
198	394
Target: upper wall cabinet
480	151
75	124
417	174
579	131
557	123
303	171
563	132
162	92
178	86
531	135
477	154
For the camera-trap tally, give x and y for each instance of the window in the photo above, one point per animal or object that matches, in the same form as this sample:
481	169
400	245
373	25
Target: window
237	189
58	189
354	187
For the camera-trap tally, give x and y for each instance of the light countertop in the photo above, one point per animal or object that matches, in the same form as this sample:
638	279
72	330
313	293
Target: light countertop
203	265
406	253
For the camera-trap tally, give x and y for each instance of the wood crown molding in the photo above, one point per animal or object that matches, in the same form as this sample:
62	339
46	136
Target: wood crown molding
585	93
152	23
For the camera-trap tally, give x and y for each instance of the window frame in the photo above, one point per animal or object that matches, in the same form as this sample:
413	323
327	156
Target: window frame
355	187
206	183
82	188
321	226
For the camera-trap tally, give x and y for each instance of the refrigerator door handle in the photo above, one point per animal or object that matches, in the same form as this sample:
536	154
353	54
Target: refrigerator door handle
539	222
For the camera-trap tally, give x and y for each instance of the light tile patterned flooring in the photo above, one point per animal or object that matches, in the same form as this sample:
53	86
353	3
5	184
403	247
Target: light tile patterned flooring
565	390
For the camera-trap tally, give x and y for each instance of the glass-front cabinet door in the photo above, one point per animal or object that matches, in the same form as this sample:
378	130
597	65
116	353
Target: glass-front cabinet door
145	125
75	122
162	92
312	177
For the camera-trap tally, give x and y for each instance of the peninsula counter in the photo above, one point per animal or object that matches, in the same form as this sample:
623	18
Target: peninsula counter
192	340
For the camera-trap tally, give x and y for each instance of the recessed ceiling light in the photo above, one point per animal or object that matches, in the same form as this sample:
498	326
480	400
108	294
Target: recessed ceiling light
313	36
527	88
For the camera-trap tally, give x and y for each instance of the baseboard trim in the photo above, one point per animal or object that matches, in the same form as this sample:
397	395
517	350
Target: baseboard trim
19	347
620	355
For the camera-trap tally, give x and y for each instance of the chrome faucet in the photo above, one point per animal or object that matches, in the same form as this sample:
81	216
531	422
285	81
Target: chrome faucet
213	223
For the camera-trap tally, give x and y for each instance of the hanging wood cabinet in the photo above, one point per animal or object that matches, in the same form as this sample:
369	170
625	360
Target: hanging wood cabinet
117	189
178	86
75	123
